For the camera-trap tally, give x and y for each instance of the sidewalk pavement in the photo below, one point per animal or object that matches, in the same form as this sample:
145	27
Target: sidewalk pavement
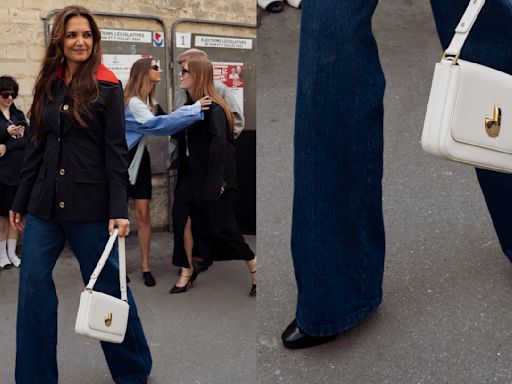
447	310
203	336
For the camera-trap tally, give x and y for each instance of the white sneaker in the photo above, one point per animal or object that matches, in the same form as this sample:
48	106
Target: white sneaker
294	3
5	263
15	260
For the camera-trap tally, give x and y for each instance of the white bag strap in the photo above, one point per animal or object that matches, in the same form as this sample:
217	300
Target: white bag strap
463	28
133	169
103	259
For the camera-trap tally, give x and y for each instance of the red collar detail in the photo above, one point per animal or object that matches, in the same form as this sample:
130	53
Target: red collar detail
105	74
102	74
60	71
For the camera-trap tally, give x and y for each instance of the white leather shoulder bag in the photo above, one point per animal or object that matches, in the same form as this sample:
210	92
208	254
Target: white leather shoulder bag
101	316
469	111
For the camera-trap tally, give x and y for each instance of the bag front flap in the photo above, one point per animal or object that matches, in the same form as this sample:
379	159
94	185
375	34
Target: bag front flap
108	314
483	110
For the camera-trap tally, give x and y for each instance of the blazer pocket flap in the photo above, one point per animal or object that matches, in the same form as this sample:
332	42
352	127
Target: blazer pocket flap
90	176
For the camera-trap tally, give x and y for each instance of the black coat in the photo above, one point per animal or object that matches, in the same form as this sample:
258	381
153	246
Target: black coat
211	161
209	166
77	173
10	163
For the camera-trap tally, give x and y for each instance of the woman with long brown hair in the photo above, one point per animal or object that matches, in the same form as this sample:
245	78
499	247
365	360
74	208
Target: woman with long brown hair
203	209
73	187
141	108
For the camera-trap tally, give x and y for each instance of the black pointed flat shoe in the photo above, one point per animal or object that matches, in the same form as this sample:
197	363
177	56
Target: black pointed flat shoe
275	7
252	293
294	338
149	280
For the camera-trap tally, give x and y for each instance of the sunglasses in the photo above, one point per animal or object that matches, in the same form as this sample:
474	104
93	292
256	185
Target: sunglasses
183	71
155	67
6	94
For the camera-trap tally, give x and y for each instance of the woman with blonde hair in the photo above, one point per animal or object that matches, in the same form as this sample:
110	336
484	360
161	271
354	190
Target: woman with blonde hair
140	109
203	212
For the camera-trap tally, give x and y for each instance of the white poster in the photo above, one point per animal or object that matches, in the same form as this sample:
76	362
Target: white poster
223	42
121	65
127	36
183	39
232	75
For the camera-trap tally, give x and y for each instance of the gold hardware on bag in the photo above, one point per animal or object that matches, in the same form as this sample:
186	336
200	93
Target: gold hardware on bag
453	58
493	124
108	320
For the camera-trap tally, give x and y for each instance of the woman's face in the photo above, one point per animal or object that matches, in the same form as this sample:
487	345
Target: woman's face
78	40
155	72
6	102
186	81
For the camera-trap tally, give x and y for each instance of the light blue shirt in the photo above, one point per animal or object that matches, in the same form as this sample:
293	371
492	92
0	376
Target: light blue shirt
140	120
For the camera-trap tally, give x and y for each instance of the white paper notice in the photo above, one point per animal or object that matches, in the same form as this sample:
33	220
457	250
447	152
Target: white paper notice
121	65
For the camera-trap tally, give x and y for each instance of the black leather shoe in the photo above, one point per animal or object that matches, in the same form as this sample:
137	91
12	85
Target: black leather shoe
275	7
149	280
252	293
190	281
294	338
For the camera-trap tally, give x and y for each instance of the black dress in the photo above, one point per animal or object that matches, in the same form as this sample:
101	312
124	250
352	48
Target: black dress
10	163
207	163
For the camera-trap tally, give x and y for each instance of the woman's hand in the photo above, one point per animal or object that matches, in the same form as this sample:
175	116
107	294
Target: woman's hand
205	103
122	224
3	149
17	220
16	130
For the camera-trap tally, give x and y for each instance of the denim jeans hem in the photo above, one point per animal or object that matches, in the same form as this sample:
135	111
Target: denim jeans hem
340	326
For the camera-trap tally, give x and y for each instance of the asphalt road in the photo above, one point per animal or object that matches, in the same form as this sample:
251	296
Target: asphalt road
446	314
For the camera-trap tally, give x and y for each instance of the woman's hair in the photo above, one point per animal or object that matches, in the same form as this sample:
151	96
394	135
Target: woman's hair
8	83
139	84
201	70
84	86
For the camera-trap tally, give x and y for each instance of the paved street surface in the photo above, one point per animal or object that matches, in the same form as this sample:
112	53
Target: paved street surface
203	336
447	310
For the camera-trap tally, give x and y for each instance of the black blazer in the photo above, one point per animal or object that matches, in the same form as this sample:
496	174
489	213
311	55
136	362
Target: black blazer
76	173
10	163
211	160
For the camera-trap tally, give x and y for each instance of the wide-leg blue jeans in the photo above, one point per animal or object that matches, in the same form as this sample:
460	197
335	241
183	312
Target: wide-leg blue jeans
36	331
337	229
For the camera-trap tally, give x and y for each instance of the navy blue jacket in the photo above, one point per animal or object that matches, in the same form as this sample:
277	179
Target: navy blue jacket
76	173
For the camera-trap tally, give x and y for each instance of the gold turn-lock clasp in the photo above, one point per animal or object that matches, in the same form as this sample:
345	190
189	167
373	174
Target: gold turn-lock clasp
108	320
453	58
493	124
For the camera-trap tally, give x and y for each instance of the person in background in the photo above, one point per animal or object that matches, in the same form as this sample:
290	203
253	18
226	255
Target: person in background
203	208
12	146
73	187
234	107
141	107
224	92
